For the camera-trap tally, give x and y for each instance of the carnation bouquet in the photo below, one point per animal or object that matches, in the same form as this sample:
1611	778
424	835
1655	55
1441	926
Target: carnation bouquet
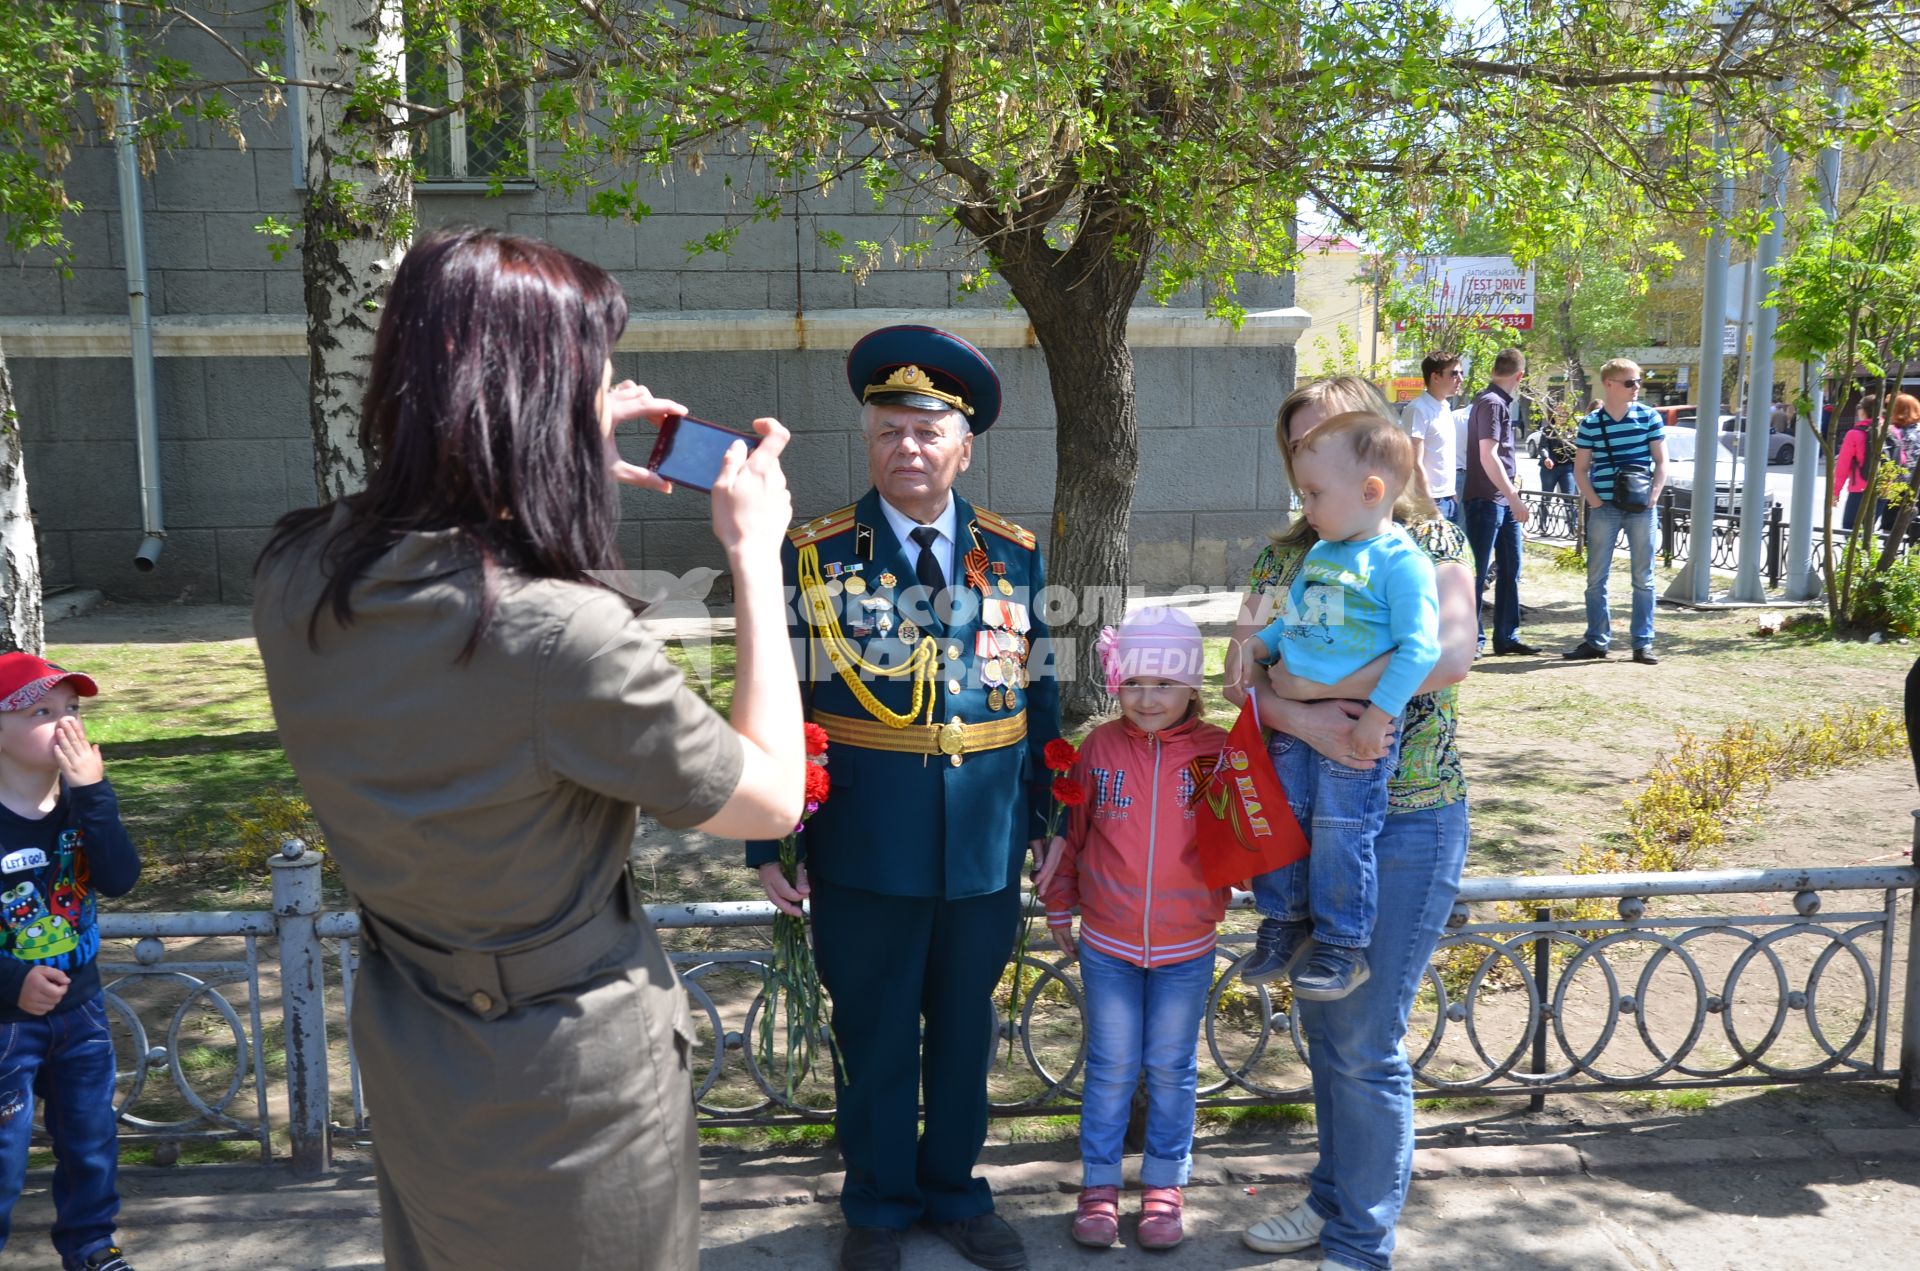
792	980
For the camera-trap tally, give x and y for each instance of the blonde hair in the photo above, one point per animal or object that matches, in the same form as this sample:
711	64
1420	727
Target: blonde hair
1619	368
1376	444
1340	395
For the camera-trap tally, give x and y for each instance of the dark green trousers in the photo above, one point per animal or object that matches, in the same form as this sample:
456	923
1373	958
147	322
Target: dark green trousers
889	962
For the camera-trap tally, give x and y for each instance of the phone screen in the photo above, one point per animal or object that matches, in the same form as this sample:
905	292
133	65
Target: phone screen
689	451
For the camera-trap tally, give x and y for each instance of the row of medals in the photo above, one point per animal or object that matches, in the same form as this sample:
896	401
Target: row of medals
1002	648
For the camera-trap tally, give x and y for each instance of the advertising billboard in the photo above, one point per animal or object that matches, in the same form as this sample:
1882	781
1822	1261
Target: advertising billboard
1485	289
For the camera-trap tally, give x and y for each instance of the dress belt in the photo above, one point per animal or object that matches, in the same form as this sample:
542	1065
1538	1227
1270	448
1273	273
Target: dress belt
491	984
953	738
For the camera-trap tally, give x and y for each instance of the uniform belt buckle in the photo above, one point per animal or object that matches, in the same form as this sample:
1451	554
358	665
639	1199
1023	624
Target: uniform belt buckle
953	738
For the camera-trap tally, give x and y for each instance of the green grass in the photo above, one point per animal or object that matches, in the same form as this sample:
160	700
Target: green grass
1671	1100
1267	1115
708	666
187	733
1457	1103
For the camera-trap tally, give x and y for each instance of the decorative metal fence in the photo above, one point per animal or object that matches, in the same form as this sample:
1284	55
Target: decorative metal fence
1540	984
1558	516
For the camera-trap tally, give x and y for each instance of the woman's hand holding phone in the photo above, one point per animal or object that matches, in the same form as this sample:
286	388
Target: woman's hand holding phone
752	507
626	402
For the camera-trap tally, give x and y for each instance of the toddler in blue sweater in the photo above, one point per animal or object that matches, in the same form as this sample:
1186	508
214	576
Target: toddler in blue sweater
1364	592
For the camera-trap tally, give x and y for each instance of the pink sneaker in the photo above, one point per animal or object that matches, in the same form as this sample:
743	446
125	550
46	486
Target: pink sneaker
1160	1218
1096	1223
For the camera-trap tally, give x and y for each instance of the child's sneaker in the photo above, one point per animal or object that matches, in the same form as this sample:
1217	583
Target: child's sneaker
1330	974
1096	1223
1276	948
107	1259
1160	1218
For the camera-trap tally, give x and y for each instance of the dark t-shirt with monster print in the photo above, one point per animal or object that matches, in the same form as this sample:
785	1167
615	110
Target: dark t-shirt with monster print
51	869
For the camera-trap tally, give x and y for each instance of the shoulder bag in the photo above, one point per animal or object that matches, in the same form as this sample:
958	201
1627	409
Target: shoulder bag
1632	482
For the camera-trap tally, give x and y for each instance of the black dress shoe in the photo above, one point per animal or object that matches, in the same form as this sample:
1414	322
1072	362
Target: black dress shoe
1645	657
1516	650
986	1241
1584	652
870	1249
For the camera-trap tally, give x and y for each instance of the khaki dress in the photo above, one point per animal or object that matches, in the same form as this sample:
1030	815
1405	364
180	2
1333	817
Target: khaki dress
524	1046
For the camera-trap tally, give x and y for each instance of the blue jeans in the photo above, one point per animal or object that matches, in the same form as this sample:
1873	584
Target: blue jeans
1140	1018
1604	525
1449	506
1459	514
1494	536
1557	479
1342	810
66	1062
1362	1078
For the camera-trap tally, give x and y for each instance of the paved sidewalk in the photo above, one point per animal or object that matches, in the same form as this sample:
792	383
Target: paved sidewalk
1767	1181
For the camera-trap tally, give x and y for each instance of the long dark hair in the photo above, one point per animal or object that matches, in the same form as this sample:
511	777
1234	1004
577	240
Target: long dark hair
481	411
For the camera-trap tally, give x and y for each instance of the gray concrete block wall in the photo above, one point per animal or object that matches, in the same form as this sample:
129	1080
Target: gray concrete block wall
236	451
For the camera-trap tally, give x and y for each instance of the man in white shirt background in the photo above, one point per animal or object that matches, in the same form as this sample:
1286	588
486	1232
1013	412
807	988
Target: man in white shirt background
1429	420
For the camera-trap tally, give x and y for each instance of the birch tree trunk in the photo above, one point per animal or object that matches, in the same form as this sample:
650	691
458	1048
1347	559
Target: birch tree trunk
22	624
358	214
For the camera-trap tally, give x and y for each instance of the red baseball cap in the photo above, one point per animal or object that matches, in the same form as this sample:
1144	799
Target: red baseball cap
25	679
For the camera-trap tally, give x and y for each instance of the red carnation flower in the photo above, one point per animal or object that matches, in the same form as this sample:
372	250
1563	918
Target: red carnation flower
1060	754
1068	793
818	783
816	739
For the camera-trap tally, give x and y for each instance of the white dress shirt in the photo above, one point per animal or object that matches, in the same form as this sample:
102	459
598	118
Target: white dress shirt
947	523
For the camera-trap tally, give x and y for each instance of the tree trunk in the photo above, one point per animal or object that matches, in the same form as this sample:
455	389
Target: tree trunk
1570	353
1078	302
22	625
358	213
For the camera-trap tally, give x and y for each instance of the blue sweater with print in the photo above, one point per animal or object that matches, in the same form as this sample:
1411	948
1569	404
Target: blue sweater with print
51	869
1353	601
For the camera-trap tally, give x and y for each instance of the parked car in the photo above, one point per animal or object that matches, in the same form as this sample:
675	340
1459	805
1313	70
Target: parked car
1732	433
1733	439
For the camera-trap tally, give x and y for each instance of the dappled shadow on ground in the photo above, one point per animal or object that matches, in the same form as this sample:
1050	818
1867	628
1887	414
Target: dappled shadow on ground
196	744
114	623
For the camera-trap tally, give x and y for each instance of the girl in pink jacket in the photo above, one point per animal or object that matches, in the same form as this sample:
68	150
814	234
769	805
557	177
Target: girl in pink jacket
1128	861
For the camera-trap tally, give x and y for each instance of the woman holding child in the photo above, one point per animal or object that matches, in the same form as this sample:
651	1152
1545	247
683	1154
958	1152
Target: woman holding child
475	719
1362	1079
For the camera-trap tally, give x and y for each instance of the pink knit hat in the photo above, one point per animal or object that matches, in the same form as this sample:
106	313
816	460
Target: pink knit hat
1156	642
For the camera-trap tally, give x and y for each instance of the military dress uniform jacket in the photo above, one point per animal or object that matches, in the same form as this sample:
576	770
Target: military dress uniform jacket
905	824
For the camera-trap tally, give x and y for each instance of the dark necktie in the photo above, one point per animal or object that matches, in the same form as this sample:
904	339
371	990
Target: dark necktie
927	571
927	568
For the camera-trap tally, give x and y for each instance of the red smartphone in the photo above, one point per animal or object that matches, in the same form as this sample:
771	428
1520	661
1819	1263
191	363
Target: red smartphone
689	451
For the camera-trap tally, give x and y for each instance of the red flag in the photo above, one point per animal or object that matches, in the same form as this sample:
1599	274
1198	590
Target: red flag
1245	825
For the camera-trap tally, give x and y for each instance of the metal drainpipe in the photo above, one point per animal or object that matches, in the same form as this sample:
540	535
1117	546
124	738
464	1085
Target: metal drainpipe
139	317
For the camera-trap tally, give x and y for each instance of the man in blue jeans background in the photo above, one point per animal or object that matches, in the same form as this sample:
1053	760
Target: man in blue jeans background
1621	433
1495	511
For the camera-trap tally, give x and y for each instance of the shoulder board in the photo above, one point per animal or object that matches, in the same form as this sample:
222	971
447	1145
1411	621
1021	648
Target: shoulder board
994	522
820	527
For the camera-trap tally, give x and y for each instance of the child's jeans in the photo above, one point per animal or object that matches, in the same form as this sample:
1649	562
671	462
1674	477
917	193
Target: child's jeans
1141	1018
64	1061
1342	810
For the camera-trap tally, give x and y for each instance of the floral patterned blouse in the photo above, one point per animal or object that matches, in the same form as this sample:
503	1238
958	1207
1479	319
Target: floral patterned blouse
1430	775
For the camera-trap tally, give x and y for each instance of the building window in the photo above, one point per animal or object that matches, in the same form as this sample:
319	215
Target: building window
468	147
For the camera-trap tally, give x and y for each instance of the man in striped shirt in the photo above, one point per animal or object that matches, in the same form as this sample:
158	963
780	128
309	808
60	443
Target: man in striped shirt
1621	434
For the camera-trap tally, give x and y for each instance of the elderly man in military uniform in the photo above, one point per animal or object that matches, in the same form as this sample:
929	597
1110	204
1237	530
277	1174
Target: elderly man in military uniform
917	625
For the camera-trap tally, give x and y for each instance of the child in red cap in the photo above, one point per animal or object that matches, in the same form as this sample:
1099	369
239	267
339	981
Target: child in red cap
61	843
